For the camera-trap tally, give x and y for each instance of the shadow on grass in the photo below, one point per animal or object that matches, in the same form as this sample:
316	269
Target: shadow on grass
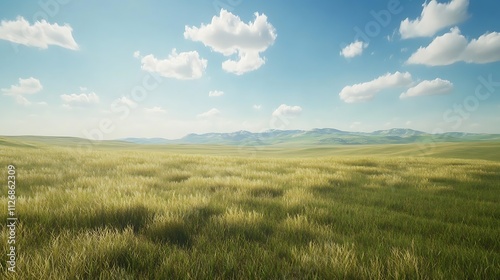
199	217
298	237
136	258
324	190
446	181
174	233
177	178
181	233
120	218
260	232
267	192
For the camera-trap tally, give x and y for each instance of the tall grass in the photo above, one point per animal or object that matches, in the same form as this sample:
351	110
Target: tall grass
117	214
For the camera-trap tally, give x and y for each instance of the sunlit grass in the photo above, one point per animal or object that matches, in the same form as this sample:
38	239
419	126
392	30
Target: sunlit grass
117	214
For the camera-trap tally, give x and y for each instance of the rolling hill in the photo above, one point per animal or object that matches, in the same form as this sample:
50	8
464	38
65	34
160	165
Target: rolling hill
324	136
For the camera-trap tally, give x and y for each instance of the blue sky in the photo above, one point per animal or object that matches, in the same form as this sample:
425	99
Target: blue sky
114	69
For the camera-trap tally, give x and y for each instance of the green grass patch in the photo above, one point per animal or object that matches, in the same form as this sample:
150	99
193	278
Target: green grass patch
129	213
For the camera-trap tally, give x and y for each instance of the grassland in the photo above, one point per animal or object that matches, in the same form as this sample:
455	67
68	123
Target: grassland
123	211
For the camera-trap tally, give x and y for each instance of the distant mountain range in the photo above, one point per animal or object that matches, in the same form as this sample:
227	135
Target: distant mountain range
323	136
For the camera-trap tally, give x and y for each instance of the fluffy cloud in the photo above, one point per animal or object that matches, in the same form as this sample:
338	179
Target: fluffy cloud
155	110
434	17
366	91
453	47
228	35
354	49
82	98
484	49
210	113
287	111
25	86
215	93
41	34
434	87
443	50
181	66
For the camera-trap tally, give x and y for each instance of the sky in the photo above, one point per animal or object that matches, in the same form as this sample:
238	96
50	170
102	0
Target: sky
115	69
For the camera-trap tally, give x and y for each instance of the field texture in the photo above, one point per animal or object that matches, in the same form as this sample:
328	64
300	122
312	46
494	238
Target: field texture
143	213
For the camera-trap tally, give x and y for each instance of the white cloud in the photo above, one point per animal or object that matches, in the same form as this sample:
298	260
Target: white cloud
155	110
25	86
288	111
434	17
434	87
257	107
137	54
366	91
228	35
453	47
248	61
354	49
83	88
82	98
41	34
215	93
181	66
484	49
210	113
443	50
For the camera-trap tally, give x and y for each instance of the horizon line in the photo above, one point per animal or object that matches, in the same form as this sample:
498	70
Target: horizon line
258	132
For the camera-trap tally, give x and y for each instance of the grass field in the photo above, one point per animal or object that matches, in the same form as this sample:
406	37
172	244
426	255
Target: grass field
123	211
